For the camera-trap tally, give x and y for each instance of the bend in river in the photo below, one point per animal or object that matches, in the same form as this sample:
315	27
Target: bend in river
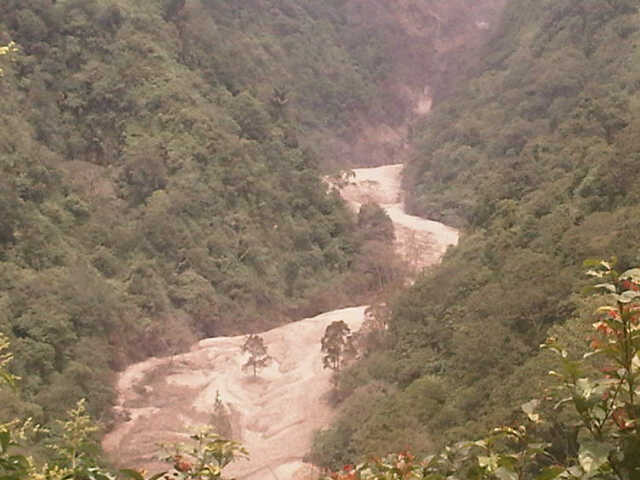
275	414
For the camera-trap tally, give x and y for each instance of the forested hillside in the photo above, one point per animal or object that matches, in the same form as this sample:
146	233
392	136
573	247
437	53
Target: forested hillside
536	157
154	188
160	170
160	182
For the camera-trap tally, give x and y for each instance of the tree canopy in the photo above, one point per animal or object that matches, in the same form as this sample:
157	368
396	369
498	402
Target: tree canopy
336	344
258	356
534	156
152	193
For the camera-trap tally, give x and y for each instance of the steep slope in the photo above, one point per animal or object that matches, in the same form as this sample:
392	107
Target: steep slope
153	187
415	51
275	414
535	156
550	76
160	164
160	170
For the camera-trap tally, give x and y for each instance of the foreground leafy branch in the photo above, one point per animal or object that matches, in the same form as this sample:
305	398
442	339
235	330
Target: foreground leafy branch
204	457
598	393
75	451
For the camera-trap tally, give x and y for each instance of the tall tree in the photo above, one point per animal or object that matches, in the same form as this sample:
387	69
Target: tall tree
375	224
258	356
336	342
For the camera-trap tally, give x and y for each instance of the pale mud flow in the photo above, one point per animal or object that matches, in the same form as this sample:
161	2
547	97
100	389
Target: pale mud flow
420	241
275	414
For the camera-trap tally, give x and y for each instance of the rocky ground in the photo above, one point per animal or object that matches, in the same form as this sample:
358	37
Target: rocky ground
274	414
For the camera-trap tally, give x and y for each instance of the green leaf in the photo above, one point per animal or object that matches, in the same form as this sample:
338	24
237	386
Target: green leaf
537	448
504	473
5	439
599	413
627	297
15	463
610	287
585	387
592	354
632	274
8	378
635	362
575	470
491	462
550	473
595	273
562	402
530	409
606	309
132	474
477	443
591	263
96	473
593	455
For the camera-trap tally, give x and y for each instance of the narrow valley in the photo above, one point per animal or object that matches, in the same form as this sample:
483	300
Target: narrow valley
275	414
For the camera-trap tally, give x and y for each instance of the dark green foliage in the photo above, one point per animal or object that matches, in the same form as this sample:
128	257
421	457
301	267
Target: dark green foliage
335	345
556	104
590	432
535	157
154	187
8	212
258	356
375	223
377	263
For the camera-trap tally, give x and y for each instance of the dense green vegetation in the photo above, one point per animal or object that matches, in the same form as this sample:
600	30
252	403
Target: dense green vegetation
155	186
160	166
535	157
597	436
160	182
585	427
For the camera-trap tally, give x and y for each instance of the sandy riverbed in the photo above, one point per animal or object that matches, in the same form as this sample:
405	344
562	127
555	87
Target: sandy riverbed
275	414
